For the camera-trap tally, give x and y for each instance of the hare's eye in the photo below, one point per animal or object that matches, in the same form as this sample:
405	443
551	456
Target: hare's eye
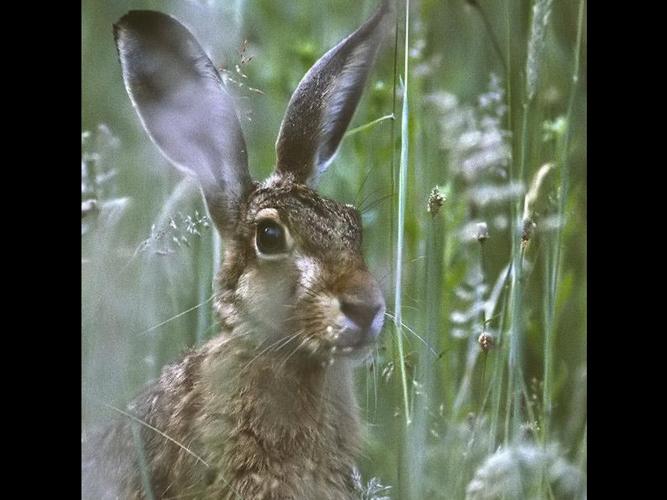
270	238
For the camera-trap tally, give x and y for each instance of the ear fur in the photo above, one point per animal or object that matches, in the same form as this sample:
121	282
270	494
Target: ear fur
182	103
324	102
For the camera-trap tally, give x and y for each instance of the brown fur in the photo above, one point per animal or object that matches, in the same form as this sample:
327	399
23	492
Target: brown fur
274	423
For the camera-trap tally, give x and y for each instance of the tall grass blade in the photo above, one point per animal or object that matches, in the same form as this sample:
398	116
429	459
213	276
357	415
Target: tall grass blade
538	33
400	232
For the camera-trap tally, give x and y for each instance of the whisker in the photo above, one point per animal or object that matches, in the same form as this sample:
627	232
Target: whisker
238	335
183	313
296	349
361	203
375	203
393	318
404	262
282	340
287	341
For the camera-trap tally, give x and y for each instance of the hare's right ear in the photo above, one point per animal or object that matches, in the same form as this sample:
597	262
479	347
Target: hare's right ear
325	100
183	106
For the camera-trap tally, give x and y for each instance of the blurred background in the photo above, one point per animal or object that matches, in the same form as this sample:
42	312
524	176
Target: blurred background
478	389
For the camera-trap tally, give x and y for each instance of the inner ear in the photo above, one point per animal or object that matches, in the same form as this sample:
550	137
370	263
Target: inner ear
183	105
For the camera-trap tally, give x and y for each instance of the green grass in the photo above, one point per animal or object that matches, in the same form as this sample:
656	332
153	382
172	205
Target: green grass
475	100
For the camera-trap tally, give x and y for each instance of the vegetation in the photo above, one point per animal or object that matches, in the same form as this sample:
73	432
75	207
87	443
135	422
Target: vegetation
467	158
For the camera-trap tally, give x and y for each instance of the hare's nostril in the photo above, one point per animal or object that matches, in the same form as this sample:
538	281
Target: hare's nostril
361	313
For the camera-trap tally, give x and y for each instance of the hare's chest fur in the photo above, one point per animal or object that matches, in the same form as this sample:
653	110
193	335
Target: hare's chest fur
230	433
278	434
240	430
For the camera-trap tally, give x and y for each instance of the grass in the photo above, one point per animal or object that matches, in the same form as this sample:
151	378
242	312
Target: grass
489	93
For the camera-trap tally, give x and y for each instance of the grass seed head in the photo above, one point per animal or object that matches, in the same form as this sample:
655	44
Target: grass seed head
435	201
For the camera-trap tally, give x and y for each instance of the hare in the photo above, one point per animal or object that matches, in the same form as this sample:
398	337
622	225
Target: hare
266	409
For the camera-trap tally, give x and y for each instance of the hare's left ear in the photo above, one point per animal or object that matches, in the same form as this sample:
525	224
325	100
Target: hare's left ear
182	103
322	106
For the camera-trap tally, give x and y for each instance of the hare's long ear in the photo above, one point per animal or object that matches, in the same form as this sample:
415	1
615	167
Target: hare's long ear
322	106
183	106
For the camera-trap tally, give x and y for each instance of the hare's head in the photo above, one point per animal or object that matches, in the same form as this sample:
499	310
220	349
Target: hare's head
293	275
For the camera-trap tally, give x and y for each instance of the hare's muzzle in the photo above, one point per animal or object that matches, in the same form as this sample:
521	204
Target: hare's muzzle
363	308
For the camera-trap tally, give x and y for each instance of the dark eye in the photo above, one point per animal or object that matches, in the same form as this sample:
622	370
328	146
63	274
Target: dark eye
270	237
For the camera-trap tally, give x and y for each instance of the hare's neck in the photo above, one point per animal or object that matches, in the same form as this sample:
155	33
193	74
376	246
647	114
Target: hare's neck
278	401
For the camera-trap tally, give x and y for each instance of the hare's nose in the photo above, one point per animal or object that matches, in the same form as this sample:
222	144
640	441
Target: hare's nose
364	314
362	311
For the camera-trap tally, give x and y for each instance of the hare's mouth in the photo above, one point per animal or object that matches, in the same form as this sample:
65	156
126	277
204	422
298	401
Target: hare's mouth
348	350
356	352
350	339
